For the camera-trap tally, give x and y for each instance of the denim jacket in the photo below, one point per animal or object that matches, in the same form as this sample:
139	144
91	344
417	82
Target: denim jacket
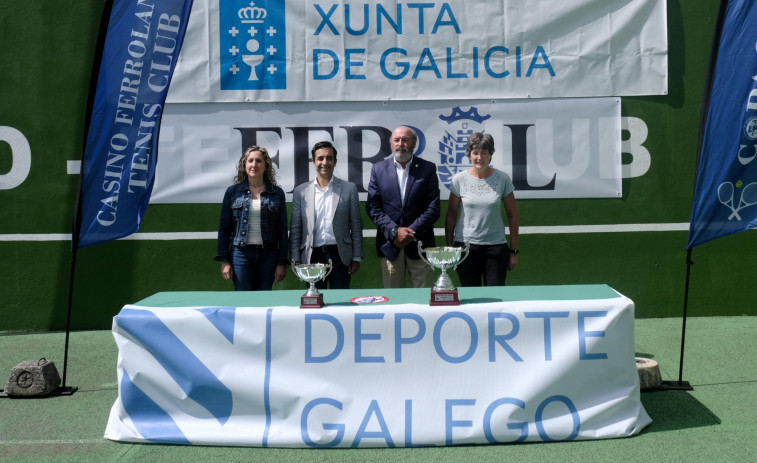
232	229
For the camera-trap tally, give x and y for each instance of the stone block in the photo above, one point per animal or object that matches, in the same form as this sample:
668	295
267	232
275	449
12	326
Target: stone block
33	378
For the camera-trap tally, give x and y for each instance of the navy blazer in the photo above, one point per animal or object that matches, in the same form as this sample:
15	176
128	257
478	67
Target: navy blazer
419	212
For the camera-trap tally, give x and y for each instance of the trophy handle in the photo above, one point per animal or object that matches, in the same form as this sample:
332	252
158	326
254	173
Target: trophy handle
420	254
331	267
466	251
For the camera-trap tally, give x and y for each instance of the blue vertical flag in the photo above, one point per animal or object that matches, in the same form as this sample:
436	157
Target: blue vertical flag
118	169
725	197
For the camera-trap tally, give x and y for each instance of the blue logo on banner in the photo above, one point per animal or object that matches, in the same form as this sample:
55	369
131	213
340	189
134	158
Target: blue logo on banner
452	158
194	377
737	195
253	44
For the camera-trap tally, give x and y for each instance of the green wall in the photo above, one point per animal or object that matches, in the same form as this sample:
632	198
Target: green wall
47	50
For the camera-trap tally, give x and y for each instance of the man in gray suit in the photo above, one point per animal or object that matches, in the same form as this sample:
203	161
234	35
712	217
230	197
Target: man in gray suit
326	222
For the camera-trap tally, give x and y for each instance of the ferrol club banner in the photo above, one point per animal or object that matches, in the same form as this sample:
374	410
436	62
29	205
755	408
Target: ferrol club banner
377	50
726	189
396	376
551	148
118	168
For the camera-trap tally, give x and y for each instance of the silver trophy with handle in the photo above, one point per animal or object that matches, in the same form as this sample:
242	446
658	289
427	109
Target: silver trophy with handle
444	291
312	274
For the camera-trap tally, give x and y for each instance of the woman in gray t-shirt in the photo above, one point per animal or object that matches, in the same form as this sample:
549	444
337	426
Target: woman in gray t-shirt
475	196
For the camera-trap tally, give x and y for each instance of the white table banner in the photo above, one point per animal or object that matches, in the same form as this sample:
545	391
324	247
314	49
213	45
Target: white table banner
377	376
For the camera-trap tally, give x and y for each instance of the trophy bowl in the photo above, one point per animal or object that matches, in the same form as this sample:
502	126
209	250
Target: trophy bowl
443	258
312	274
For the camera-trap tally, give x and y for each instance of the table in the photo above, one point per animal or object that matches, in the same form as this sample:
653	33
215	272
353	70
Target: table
510	364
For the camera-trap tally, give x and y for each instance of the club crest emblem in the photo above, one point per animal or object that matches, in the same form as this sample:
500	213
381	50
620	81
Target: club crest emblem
452	158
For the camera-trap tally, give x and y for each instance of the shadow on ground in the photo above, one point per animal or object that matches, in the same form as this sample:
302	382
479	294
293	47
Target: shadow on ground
675	410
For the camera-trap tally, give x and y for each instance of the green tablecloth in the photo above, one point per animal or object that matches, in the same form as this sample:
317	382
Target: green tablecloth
336	297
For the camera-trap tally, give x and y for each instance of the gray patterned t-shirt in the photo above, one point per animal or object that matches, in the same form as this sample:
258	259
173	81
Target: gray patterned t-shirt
480	220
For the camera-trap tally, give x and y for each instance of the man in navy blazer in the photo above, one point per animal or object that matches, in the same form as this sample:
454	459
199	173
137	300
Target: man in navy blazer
326	222
403	202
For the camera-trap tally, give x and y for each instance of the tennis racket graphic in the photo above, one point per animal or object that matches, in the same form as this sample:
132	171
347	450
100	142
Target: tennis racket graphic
725	196
748	198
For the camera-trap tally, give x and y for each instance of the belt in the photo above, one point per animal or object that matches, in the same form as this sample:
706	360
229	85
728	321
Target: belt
326	249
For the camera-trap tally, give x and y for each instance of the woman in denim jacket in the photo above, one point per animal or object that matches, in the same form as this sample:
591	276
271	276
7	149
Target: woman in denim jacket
252	234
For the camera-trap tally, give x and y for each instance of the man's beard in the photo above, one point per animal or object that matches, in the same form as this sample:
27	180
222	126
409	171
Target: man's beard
403	156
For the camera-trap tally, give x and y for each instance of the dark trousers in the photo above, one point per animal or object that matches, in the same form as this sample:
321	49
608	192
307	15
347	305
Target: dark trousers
485	263
339	278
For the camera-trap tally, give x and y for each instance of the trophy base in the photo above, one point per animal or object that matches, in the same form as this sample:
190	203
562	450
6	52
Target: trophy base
442	297
311	302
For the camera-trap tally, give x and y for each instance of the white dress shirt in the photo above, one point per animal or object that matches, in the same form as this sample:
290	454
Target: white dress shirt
402	173
323	229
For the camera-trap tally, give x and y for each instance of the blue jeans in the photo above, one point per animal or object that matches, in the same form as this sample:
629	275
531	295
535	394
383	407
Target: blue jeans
487	262
254	268
339	278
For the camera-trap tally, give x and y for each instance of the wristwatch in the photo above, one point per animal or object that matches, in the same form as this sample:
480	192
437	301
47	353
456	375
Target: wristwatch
393	234
514	251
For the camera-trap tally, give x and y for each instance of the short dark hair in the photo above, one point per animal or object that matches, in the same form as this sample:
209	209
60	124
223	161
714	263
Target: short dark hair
482	141
321	145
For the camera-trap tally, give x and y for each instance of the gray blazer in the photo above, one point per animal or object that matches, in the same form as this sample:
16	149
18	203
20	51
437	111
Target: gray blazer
347	222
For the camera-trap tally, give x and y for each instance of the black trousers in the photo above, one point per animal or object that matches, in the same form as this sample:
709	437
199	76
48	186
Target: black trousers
486	263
